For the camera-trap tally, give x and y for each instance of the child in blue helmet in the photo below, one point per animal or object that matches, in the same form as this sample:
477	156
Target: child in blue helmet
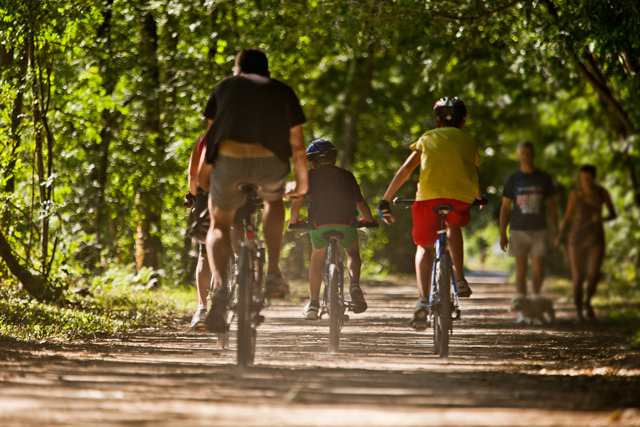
334	201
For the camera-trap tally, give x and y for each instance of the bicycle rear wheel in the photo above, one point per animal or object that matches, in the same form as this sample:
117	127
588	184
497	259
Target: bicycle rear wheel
335	312
442	318
246	331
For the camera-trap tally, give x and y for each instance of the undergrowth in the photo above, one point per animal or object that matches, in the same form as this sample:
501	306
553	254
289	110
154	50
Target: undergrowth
618	300
119	301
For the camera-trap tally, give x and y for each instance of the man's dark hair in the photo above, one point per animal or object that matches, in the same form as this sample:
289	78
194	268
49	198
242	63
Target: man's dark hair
527	144
252	61
589	169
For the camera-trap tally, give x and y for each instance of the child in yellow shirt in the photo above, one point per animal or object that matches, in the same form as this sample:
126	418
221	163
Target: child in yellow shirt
448	160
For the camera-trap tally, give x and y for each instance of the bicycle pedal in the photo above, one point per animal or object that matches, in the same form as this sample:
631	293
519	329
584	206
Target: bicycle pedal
199	328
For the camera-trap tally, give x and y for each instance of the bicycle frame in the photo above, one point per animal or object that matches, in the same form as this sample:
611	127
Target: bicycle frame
334	256
442	245
250	296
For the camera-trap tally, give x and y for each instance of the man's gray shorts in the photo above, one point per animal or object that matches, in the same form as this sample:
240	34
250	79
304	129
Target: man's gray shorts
525	242
269	174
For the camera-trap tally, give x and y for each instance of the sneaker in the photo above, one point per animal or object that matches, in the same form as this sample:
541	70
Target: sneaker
275	286
462	288
197	321
357	298
310	311
216	320
420	319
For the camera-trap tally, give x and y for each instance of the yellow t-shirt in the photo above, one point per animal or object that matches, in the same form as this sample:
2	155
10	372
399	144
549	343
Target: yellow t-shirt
447	165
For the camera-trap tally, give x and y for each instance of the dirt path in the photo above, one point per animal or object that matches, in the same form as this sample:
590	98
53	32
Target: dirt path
498	374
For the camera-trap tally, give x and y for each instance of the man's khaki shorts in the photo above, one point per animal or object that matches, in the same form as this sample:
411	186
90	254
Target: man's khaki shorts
269	174
523	243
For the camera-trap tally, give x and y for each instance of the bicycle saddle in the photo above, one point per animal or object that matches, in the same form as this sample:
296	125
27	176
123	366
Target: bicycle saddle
329	234
443	208
247	188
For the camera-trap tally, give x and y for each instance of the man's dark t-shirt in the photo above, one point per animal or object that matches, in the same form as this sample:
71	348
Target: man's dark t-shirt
529	191
333	195
251	108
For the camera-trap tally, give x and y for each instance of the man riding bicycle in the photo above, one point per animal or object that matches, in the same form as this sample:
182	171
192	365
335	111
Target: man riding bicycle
256	127
448	161
334	201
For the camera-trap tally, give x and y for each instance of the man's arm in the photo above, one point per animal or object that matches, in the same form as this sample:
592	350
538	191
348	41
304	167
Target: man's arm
400	178
193	169
480	193
364	209
571	205
204	171
505	217
300	186
553	212
295	210
610	207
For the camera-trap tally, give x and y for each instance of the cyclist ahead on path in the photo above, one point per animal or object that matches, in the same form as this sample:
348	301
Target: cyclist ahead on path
334	201
448	160
197	198
255	128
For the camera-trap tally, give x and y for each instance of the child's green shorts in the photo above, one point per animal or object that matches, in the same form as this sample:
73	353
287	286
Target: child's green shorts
350	236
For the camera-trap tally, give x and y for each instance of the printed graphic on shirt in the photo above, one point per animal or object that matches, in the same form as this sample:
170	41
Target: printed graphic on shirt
529	199
529	192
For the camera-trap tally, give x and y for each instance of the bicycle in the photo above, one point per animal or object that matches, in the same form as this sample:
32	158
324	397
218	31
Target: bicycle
246	281
333	302
443	304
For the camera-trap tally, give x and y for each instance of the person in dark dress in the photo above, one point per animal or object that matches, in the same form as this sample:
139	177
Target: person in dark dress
586	238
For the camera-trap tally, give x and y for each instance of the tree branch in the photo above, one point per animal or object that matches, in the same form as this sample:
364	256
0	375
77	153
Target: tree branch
477	18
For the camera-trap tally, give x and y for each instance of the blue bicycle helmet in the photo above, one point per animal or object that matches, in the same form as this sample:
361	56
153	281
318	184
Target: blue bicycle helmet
321	148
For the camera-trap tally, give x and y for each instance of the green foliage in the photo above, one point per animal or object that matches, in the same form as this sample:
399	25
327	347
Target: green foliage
127	83
118	301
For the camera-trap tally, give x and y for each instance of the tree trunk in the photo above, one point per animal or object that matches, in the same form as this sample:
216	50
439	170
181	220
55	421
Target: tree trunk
351	131
109	120
148	243
16	120
39	152
35	285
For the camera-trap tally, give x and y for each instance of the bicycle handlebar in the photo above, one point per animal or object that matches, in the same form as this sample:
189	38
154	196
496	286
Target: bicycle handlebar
305	225
409	202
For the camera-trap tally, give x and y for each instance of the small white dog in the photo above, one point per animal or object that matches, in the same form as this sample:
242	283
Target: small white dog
535	310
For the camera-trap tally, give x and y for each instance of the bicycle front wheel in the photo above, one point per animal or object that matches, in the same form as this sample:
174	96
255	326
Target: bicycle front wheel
335	312
442	318
246	331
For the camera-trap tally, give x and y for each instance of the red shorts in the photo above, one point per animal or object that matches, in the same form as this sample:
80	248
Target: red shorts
426	222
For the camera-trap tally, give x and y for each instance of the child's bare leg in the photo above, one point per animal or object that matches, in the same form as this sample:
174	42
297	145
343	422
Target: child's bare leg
424	265
203	278
354	263
316	268
456	248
